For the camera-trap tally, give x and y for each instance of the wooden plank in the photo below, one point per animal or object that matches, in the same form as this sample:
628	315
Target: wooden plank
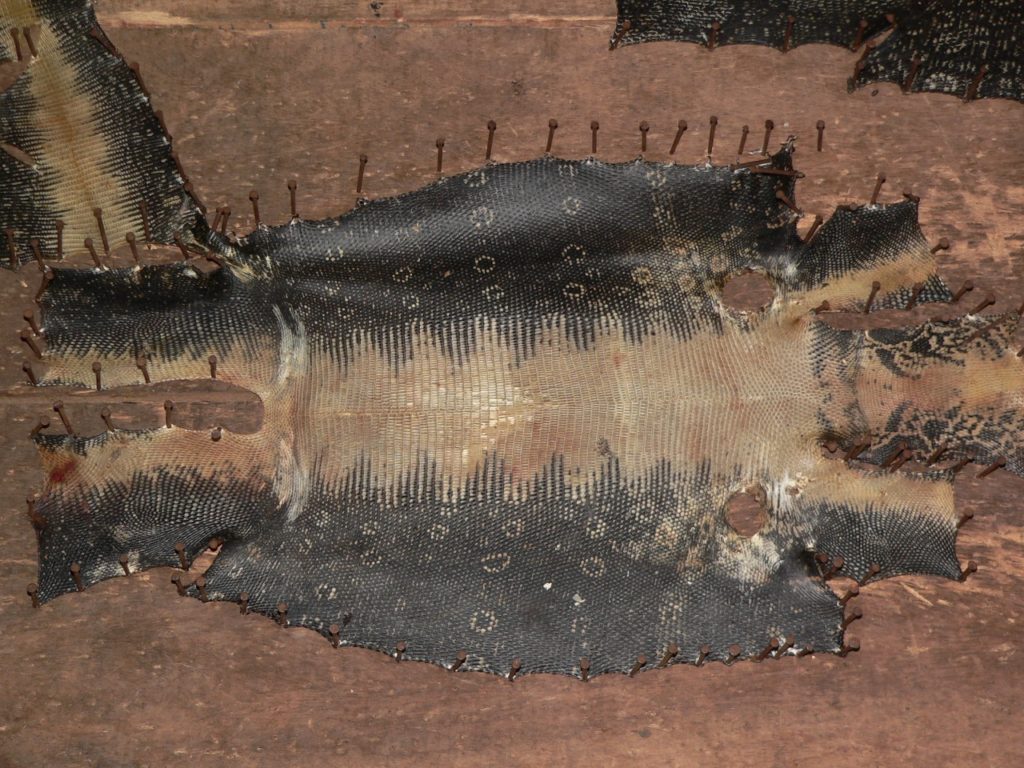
129	674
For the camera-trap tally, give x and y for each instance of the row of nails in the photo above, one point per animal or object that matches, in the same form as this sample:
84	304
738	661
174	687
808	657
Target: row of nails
902	454
787	40
107	415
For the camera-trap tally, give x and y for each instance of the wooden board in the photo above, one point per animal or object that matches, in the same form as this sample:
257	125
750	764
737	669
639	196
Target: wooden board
258	93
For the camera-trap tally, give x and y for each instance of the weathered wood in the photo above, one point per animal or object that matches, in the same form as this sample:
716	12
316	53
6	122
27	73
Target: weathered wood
122	674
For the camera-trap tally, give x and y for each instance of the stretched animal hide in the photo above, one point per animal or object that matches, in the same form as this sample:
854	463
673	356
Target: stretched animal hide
971	48
82	154
505	414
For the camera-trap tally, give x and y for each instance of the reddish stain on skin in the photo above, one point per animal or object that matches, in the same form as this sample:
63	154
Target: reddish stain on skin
60	473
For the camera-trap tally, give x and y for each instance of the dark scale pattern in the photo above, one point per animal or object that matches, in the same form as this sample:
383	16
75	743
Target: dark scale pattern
752	21
92	134
504	414
953	39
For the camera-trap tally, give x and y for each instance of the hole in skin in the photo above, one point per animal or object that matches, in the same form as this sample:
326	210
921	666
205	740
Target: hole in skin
748	292
746	512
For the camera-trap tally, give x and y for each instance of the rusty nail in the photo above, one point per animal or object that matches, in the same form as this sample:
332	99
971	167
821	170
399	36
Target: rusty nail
713	122
626	26
362	170
769	126
282	614
123	560
815	225
787	40
460	659
875	288
936	454
1000	462
105	415
680	130
200	583
59	408
915	293
92	252
212	360
820	125
964	519
552	125
807	650
292	186
37	254
491	128
224	221
734	653
400	649
243	603
176	581
335	632
972	89
783	198
915	64
27	32
848	619
713	36
440	153
37	520
857	448
143	365
181	247
972	567
130	238
76	574
895	455
254	198
216	219
670	653
967	459
517	664
27	368
851	593
967	286
584	668
861	28
215	434
878	188
872	570
745	131
29	316
702	653
823	307
44	283
986	302
837	565
98	213
168	408
773	645
179	547
790	640
942	245
42	424
33	593
639	664
594	127
144	215
849	646
644	128
904	456
17	42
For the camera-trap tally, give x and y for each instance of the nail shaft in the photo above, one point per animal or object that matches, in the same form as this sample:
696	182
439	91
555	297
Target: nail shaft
98	214
878	188
820	125
282	614
460	659
851	617
552	125
335	632
639	664
915	293
769	126
37	254
59	408
680	130
851	593
130	238
998	463
107	421
815	225
76	574
33	593
293	185
972	567
713	122
875	288
362	171
745	131
702	653
491	128
243	603
97	370
967	286
517	665
584	669
254	198
201	587
440	154
670	653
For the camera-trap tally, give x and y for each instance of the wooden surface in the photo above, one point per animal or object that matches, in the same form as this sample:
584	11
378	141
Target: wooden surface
256	93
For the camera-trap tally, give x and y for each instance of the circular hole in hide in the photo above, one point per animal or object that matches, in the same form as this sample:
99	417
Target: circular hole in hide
746	512
748	292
